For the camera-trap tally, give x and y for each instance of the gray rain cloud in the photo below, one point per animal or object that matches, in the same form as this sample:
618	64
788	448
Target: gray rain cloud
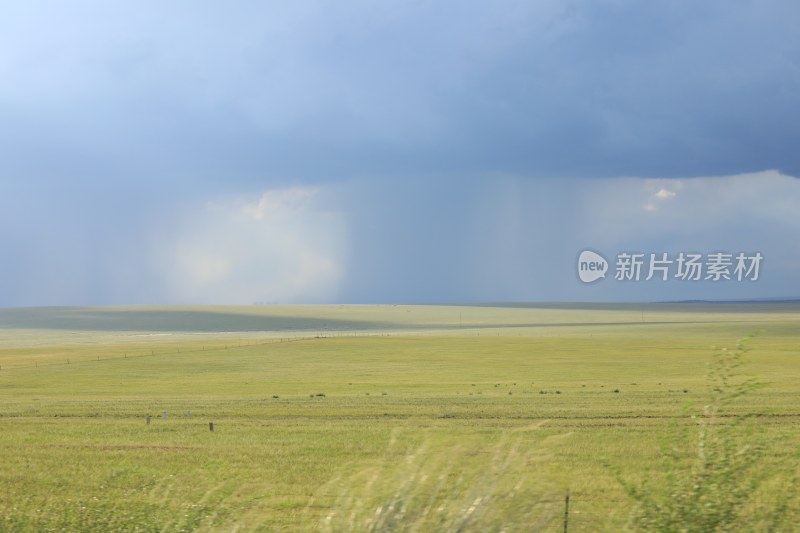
410	151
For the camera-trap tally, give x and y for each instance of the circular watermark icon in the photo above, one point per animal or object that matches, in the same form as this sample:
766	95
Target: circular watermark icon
591	266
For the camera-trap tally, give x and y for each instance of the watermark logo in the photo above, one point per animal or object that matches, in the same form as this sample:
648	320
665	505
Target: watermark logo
591	266
663	266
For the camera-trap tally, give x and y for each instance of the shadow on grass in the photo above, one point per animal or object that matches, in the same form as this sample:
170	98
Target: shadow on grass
99	319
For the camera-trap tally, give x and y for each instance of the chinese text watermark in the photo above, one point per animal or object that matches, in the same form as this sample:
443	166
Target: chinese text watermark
663	266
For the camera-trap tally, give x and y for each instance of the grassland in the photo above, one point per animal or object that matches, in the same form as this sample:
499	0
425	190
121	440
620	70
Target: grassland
338	418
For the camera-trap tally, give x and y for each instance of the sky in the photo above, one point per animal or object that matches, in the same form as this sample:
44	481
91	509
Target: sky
397	151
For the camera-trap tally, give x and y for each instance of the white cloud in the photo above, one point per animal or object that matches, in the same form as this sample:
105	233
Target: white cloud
278	201
282	246
665	194
659	196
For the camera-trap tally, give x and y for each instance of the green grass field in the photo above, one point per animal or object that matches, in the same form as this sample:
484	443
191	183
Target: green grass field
372	418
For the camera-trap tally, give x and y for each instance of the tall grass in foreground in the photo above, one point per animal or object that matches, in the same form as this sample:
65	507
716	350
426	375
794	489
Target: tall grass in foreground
715	480
38	515
498	488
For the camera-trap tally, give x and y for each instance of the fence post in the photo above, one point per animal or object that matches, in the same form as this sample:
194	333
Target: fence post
566	512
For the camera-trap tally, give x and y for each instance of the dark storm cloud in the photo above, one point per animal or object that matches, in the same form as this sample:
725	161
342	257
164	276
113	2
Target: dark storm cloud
316	91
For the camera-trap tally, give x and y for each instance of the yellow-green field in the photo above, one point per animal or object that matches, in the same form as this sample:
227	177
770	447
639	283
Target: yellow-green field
374	418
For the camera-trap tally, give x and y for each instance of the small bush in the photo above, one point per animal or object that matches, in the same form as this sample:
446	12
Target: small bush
713	487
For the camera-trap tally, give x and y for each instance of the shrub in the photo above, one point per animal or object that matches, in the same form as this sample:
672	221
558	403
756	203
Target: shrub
712	487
